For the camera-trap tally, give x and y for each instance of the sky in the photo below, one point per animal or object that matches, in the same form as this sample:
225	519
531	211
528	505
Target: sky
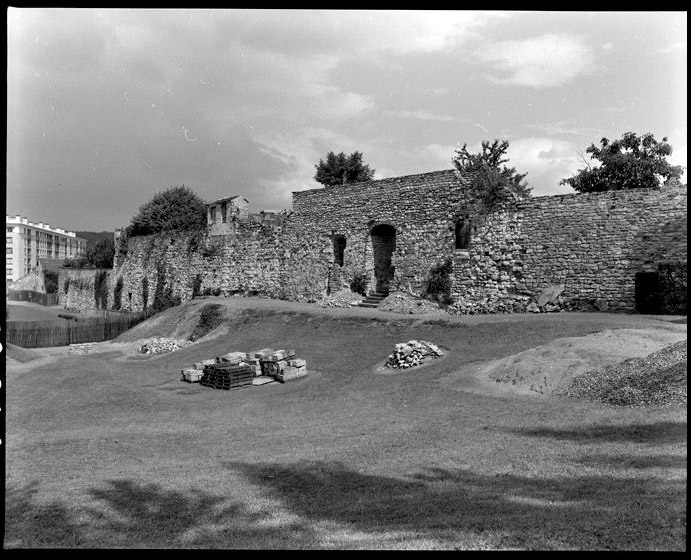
107	107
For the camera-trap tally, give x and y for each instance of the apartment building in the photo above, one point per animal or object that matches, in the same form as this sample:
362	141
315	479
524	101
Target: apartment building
26	242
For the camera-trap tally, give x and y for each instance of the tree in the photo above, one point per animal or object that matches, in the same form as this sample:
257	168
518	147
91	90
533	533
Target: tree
177	208
101	255
340	169
634	162
491	180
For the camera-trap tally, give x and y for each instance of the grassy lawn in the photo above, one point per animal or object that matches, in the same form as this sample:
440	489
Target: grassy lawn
109	450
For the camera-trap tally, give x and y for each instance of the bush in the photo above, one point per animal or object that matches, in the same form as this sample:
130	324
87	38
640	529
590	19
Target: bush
197	285
101	289
163	295
66	285
145	292
439	283
51	281
211	317
117	294
359	283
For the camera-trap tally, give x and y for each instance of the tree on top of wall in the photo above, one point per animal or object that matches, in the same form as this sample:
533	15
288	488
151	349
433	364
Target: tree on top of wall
491	180
633	162
176	208
340	169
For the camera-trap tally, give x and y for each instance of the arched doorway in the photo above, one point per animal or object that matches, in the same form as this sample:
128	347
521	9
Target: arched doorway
383	245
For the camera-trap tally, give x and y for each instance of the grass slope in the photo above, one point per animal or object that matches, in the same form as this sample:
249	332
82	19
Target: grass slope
103	451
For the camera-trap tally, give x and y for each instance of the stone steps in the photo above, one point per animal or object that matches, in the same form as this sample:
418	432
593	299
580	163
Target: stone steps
373	299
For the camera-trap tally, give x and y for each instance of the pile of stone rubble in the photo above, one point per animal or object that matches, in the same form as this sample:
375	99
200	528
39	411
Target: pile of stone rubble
412	353
403	302
236	369
161	345
84	348
342	298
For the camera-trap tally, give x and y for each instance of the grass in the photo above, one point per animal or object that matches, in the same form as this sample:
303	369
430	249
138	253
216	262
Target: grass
105	451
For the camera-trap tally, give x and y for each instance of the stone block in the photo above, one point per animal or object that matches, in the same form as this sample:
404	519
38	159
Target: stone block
232	357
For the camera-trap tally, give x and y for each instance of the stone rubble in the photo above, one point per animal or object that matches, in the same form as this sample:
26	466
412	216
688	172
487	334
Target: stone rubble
341	298
403	302
412	353
162	345
84	348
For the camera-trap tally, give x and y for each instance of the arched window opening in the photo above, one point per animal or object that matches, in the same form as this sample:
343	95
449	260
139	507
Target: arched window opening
339	242
462	234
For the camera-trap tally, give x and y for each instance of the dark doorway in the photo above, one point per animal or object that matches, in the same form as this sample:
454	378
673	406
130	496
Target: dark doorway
383	245
339	242
648	293
462	234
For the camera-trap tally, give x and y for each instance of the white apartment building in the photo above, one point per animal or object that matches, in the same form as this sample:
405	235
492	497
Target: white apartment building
26	242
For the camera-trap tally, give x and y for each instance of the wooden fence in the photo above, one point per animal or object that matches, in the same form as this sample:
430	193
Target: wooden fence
34	297
41	334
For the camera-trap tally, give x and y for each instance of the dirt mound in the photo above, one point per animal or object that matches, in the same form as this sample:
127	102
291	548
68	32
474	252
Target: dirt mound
658	379
21	355
552	367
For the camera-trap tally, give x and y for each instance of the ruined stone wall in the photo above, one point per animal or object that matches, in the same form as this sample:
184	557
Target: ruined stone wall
422	208
596	243
81	288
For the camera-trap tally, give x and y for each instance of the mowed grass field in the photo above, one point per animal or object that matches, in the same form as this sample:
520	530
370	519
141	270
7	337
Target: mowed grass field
112	450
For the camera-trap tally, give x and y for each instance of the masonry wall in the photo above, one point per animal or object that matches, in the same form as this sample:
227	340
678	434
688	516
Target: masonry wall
81	288
594	243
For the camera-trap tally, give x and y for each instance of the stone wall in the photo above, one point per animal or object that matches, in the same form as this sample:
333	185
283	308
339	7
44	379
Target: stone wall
594	243
81	288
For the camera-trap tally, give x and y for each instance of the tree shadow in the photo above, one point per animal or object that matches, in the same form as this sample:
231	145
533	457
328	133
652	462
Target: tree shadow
132	515
461	507
658	433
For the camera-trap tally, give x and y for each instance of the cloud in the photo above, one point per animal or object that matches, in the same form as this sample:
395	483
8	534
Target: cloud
540	62
421	114
569	128
546	161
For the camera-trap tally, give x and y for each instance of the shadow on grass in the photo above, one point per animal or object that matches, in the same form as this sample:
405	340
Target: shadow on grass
453	508
461	507
132	515
654	434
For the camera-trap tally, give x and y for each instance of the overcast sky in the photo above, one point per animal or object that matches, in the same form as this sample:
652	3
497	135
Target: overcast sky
107	107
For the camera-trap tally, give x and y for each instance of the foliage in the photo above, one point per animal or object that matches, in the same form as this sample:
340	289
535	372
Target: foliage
101	289
197	285
145	291
163	294
491	181
101	255
177	208
439	283
117	294
211	316
51	280
340	169
634	162
359	283
673	287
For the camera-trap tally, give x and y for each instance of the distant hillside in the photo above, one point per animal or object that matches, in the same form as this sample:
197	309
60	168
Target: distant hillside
93	237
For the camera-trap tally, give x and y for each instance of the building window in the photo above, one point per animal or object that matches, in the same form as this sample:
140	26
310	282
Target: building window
339	242
8	250
10	229
462	234
8	272
212	214
9	240
8	260
224	212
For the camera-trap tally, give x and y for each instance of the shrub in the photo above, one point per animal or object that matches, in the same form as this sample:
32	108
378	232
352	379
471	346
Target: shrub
145	291
66	285
359	283
117	294
439	283
197	285
101	289
163	295
211	316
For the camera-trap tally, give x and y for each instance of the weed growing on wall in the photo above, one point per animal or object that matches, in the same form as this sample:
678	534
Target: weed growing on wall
66	286
101	289
163	294
439	283
117	294
211	316
359	283
145	292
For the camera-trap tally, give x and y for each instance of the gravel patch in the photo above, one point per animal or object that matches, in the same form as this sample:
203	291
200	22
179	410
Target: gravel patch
658	379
